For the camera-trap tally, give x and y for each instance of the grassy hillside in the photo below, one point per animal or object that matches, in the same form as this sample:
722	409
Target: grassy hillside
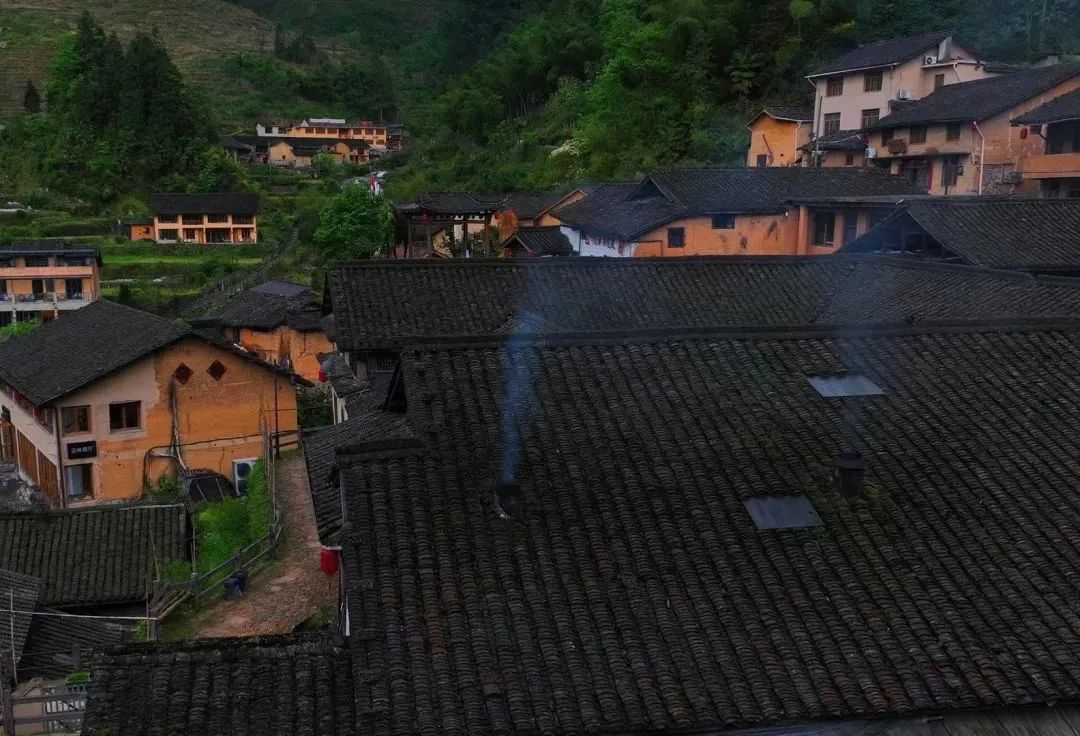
195	32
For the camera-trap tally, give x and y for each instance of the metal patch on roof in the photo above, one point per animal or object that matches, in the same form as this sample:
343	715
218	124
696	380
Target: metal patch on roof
852	384
783	512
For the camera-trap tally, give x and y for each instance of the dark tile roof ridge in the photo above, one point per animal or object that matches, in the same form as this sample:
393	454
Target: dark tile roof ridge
778	332
141	650
97	508
1053	111
833	67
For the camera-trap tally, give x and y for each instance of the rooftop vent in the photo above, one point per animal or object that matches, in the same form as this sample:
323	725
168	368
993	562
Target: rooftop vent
783	512
845	384
508	499
848	472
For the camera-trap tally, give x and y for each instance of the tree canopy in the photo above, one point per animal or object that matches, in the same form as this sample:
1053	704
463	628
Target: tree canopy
354	224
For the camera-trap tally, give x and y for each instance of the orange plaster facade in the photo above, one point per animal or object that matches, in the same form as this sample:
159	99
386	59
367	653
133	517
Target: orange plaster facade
218	421
302	348
776	142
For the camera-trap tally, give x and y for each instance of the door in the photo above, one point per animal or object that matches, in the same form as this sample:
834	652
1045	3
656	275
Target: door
73	288
851	226
80	481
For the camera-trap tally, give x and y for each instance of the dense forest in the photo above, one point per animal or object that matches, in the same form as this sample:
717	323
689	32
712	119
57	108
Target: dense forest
526	94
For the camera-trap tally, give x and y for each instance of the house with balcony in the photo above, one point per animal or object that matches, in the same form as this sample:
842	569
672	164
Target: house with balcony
777	135
39	279
205	218
382	137
1055	172
959	140
856	89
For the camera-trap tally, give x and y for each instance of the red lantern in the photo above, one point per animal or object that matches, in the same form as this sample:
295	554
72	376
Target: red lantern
1023	134
322	376
328	562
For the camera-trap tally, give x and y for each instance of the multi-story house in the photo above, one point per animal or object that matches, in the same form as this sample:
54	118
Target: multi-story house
777	135
379	136
960	140
856	89
41	278
1056	170
99	403
204	218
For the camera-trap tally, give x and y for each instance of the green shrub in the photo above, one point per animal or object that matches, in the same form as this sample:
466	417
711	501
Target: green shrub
166	489
221	529
258	501
78	678
84	226
176	571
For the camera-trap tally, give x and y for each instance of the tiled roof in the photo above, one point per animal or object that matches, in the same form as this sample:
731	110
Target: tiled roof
460	203
93	556
362	430
104	335
884	53
632	592
844	140
540	241
302	144
978	100
796	113
478	297
530	206
20	593
1017	234
50	647
204	204
1065	107
668	195
273	685
262	308
36	247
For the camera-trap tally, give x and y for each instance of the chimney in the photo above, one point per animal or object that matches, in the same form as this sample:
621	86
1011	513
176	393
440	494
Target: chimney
509	500
848	471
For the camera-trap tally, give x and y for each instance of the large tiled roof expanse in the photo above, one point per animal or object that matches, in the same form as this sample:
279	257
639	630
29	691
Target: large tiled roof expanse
980	99
94	556
883	53
204	204
261	309
1065	107
19	595
634	593
287	685
84	346
387	305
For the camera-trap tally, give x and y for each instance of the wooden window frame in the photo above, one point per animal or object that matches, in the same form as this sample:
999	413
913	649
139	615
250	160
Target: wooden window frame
676	234
834	86
123	408
723	222
869	117
67	411
827	121
917	139
873	81
819	217
953	131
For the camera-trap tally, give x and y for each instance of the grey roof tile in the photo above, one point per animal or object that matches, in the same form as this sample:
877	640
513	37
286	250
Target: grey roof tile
884	53
1065	107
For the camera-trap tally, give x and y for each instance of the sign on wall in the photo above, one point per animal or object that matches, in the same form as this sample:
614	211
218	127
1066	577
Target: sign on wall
82	450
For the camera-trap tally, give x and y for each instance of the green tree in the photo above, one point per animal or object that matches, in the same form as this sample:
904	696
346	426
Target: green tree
31	99
217	172
327	167
355	224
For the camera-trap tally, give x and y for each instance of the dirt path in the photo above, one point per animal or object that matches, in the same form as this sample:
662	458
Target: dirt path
291	589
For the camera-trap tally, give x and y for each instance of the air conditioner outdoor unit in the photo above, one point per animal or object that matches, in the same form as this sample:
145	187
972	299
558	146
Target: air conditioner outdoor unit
871	152
241	470
928	60
903	94
1011	177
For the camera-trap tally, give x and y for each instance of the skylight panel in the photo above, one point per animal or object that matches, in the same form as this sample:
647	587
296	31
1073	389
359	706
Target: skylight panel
851	384
783	512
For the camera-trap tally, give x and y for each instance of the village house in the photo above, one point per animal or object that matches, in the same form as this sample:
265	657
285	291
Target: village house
540	242
96	405
745	211
857	88
300	152
845	148
1016	234
382	137
40	279
777	135
959	139
277	321
1056	171
204	218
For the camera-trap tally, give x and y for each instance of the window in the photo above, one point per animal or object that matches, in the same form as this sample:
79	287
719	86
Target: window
950	171
872	81
216	370
952	132
3	287
243	220
870	117
845	384
193	219
75	419
167	218
723	222
918	134
762	160
124	416
80	481
832	123
824	226
73	288
939	81
37	261
191	234
217	218
169	235
834	86
849	159
676	237
183	374
886	136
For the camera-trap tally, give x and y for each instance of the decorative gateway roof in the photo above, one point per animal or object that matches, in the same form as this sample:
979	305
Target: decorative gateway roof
269	685
883	53
628	588
669	195
1018	234
978	100
95	556
385	305
204	204
1059	109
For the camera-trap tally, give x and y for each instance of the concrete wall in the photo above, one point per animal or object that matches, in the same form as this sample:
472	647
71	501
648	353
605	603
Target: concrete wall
779	140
